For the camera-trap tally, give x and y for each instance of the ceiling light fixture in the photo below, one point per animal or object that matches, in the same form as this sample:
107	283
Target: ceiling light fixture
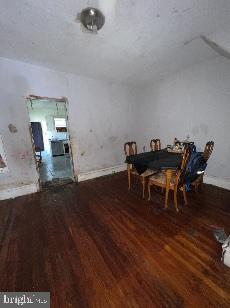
92	19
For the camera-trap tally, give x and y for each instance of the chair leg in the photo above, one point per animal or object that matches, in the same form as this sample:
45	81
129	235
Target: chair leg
175	199
143	187
149	191
168	180
185	195
129	177
201	182
198	183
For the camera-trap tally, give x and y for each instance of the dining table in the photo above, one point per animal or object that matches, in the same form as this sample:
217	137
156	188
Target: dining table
156	161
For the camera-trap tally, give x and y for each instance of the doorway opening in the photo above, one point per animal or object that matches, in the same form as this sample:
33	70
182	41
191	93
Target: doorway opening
51	140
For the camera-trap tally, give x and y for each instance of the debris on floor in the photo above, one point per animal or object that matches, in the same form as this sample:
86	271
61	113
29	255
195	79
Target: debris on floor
193	232
221	237
226	252
57	182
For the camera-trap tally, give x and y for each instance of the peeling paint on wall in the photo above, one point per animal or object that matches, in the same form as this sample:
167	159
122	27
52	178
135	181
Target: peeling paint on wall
187	10
24	155
12	128
112	138
174	10
3	163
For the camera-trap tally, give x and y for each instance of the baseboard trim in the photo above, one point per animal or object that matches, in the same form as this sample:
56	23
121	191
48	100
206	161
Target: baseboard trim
217	181
101	172
13	192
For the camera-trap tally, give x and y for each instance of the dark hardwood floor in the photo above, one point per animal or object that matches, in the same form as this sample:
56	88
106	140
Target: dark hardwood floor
97	245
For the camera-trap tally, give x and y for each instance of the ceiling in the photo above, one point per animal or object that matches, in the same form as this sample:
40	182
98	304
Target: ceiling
141	41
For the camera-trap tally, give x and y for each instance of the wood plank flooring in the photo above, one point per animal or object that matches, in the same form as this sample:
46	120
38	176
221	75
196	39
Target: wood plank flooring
98	245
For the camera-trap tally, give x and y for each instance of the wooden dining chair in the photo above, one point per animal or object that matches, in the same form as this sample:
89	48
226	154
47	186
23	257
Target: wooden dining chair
208	150
206	154
170	180
130	148
155	144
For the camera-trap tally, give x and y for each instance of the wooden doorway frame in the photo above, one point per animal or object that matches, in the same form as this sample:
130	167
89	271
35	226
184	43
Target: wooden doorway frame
64	100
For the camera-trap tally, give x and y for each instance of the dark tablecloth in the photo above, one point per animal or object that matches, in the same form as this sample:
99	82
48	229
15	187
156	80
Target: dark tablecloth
154	160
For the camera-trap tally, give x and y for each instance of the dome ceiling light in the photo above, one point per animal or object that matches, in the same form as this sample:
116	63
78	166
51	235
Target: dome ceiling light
92	19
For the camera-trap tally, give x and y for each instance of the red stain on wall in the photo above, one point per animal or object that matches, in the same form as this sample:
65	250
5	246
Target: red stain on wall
24	155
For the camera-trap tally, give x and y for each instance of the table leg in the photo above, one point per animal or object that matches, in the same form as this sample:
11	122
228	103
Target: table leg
143	187
129	176
168	181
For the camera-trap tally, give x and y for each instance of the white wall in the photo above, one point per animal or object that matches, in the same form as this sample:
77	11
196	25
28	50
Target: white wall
195	102
103	115
101	118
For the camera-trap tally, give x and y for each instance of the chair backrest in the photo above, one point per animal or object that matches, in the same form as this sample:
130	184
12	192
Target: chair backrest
208	150
155	144
185	159
175	140
130	148
183	165
185	144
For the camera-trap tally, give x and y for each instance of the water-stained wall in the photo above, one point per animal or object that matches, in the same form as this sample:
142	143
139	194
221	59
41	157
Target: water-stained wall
101	118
